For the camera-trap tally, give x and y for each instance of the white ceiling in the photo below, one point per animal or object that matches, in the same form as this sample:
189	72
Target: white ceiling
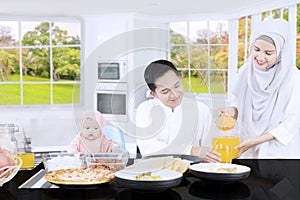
165	8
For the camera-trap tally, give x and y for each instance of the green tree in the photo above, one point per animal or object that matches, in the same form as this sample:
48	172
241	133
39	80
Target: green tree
179	51
37	60
66	61
215	53
8	57
7	63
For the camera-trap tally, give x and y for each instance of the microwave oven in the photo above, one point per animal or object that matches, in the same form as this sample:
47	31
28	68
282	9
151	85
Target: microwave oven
112	71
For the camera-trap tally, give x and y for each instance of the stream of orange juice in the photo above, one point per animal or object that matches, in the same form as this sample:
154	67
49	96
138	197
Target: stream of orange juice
225	146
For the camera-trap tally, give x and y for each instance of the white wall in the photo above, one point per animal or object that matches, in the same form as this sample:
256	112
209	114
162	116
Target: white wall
25	118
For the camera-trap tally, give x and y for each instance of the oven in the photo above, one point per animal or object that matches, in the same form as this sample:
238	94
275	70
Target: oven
112	101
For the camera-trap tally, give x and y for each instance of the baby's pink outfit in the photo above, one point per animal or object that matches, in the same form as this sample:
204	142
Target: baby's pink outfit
99	145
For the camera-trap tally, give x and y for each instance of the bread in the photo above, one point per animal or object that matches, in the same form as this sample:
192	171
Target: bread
225	122
181	165
166	162
178	164
151	163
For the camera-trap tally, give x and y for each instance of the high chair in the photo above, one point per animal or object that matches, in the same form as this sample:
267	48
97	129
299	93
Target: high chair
115	134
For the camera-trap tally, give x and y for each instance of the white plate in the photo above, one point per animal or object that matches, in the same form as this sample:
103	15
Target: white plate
165	174
207	167
204	171
169	179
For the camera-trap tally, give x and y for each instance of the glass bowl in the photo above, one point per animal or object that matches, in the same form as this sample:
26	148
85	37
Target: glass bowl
111	161
57	161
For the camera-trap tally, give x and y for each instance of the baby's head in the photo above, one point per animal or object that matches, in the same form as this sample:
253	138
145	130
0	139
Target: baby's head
91	126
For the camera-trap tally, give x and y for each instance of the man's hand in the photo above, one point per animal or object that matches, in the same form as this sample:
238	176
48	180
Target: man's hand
206	153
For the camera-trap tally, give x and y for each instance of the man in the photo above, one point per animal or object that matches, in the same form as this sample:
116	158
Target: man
171	123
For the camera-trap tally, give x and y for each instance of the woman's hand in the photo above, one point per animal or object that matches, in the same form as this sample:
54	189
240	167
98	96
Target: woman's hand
230	111
244	146
247	144
206	153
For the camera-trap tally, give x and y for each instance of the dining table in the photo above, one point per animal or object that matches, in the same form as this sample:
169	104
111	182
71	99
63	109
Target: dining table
268	179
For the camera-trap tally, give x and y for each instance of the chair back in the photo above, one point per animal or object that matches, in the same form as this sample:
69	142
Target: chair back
115	134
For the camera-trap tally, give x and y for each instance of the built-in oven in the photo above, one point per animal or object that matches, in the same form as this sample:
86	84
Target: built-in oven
111	94
112	101
112	71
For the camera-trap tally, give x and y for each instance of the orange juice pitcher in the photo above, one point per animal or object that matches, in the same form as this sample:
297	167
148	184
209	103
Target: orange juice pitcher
227	138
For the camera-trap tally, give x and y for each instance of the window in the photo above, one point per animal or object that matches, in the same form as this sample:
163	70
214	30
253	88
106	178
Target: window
199	49
39	62
243	39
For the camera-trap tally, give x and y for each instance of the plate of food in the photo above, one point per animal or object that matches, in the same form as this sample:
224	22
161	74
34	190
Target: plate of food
80	177
223	172
148	180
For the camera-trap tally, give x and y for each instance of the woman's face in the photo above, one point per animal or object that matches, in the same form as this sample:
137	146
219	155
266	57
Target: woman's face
169	89
264	54
91	129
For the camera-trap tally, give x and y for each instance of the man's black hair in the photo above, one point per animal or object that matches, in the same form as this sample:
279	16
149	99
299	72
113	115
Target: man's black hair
157	69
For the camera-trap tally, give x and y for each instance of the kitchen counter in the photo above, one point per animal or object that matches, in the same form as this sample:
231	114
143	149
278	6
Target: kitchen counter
269	179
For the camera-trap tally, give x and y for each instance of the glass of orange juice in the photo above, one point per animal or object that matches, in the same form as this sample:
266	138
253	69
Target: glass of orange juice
28	160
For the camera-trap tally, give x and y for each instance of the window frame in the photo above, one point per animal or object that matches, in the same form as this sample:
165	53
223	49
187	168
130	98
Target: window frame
189	45
51	83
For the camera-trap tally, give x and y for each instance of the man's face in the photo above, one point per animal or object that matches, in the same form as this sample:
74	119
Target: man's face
91	129
169	89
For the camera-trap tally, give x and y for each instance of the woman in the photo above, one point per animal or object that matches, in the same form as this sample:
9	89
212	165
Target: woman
266	96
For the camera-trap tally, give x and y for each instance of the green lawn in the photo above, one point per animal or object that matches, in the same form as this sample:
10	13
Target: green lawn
38	93
70	93
216	86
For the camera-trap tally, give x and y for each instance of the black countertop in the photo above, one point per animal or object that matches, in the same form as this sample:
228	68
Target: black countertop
269	179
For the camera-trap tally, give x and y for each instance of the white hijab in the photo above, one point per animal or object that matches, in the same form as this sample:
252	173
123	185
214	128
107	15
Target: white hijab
261	95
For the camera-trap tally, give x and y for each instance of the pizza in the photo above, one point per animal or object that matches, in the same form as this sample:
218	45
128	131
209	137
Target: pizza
80	176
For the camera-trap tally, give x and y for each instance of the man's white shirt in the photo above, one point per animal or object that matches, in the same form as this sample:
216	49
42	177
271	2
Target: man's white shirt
161	130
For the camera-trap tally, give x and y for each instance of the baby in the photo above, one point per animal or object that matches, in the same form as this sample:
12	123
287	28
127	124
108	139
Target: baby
91	139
